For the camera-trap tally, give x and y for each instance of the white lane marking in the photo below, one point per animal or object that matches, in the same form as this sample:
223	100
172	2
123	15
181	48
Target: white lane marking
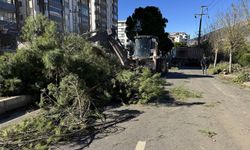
140	145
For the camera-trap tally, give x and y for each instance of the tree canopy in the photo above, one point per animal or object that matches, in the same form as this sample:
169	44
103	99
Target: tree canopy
151	22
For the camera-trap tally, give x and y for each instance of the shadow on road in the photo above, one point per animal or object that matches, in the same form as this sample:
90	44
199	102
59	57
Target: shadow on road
102	130
11	115
179	75
167	100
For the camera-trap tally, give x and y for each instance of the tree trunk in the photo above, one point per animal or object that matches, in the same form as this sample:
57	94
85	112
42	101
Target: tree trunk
230	61
215	57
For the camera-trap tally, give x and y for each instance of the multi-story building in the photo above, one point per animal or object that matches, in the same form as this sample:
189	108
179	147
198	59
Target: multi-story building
7	14
84	23
112	14
98	13
181	37
103	14
8	26
53	9
121	33
69	15
115	14
25	8
78	16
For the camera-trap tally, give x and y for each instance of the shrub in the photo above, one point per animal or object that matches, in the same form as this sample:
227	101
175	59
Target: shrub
245	59
218	69
236	68
242	77
10	87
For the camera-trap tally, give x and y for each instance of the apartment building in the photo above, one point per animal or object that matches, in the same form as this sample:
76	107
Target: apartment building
8	26
179	37
53	9
7	15
115	14
103	14
121	33
84	23
77	16
71	16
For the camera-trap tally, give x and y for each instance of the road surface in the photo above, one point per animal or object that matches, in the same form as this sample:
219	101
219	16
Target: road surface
218	121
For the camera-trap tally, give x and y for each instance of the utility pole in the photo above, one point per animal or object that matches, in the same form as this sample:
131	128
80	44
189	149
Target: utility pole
201	15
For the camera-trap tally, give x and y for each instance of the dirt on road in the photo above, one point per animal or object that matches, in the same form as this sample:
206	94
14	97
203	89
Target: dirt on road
220	120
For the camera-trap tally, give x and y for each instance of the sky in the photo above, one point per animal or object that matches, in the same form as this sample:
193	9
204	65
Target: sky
180	13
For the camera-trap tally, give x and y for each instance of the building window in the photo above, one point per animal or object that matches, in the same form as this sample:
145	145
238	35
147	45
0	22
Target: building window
21	17
20	4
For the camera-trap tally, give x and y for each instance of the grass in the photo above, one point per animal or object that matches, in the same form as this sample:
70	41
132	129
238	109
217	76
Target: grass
181	93
208	133
235	79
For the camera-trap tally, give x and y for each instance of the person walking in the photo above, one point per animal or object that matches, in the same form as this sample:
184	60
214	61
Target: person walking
204	65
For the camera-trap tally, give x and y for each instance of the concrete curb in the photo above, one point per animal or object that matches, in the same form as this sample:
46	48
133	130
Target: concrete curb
11	103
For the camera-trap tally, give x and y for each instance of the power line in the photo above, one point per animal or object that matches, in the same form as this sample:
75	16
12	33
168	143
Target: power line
216	3
211	3
201	16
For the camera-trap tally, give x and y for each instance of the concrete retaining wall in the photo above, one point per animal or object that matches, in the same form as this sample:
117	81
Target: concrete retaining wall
11	103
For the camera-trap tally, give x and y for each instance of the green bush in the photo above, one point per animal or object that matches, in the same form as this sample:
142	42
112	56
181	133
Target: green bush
224	67
244	60
242	77
218	69
10	87
236	68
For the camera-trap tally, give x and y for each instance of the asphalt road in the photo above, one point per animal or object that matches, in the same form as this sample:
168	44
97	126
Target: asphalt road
18	115
218	121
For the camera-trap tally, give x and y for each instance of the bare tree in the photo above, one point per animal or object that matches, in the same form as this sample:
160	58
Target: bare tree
244	6
215	40
233	30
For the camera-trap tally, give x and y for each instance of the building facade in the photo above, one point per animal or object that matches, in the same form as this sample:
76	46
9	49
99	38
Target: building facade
180	37
115	14
7	14
98	15
122	34
8	25
70	16
103	14
78	16
84	23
